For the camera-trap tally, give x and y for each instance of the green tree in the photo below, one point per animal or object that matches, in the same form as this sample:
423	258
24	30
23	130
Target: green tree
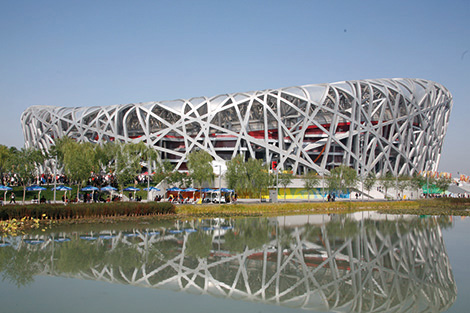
200	168
235	174
403	182
162	171
369	181
443	183
285	178
258	177
342	178
387	182
199	245
5	155
127	163
25	164
311	180
105	155
148	155
79	161
417	182
250	176
181	180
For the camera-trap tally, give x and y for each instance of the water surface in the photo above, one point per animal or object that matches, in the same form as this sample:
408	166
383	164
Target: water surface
364	262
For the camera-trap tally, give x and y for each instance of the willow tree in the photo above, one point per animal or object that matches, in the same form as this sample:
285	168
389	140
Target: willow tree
369	182
105	156
79	160
257	176
387	182
250	176
200	167
342	178
148	155
24	163
127	163
285	178
5	155
311	180
235	174
443	183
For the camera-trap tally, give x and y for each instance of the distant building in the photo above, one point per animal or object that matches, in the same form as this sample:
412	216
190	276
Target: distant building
377	125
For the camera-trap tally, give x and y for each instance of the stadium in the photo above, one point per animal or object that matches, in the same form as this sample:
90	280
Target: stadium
379	125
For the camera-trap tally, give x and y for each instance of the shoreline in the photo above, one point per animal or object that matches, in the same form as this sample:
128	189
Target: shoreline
135	211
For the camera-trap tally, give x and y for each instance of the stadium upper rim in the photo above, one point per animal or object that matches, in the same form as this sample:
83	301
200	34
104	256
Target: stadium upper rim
379	125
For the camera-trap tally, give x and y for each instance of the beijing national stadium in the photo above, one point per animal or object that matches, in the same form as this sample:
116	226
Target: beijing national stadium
380	125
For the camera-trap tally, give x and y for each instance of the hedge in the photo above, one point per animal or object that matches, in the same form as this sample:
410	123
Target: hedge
83	210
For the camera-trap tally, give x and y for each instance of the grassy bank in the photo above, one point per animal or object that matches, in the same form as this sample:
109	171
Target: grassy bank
269	209
441	206
138	211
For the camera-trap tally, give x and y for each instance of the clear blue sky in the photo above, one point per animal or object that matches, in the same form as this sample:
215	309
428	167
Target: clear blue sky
87	53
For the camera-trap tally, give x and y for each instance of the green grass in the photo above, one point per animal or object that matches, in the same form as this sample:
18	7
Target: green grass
266	209
105	212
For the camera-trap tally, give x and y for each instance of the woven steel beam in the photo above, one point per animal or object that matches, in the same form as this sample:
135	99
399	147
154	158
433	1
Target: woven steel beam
380	125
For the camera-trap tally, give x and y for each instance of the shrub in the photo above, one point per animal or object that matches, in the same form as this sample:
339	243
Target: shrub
82	210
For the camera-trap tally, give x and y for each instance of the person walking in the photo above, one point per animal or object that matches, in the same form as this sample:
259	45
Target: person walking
12	199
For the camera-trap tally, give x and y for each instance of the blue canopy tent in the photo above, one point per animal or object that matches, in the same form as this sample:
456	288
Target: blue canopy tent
190	190
149	189
90	188
175	189
62	188
152	189
193	190
36	188
134	189
108	188
205	191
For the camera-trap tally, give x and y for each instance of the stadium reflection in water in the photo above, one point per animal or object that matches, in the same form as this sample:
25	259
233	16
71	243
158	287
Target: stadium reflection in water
352	263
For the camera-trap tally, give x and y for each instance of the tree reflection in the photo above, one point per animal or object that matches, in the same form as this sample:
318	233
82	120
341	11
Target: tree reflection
365	265
199	245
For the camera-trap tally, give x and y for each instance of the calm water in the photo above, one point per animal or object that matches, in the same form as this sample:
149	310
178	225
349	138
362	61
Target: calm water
350	263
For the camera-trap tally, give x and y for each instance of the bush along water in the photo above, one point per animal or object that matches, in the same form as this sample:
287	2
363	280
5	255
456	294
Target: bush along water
14	227
85	210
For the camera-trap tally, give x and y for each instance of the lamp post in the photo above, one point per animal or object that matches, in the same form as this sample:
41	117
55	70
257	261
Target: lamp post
277	183
220	182
55	178
427	178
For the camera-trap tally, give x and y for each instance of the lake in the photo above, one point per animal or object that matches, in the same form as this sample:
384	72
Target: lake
361	262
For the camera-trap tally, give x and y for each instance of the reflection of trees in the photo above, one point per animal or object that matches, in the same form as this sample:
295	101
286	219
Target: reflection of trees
359	266
250	232
199	245
19	267
124	257
78	255
343	228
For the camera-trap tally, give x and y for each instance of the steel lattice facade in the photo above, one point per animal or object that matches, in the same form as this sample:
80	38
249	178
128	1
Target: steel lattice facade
378	125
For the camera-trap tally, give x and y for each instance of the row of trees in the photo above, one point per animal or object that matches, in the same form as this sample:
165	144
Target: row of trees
252	175
78	160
